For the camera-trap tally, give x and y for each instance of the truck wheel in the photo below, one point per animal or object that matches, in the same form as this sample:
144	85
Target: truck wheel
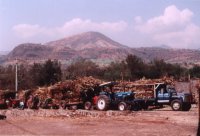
122	106
103	102
87	105
176	105
186	107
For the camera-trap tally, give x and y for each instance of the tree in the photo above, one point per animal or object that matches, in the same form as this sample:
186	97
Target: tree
117	71
159	69
7	77
51	72
45	74
23	77
35	73
195	71
82	67
136	66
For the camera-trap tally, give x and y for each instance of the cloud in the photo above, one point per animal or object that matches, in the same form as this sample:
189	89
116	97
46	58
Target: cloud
73	26
28	31
84	25
174	27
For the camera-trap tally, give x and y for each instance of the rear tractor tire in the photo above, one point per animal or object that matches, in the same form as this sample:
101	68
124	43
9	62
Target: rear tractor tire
103	103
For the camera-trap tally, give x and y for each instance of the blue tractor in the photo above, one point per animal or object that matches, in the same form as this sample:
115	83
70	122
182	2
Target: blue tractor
107	98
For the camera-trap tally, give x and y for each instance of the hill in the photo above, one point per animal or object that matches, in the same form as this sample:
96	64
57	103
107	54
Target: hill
170	55
96	47
89	45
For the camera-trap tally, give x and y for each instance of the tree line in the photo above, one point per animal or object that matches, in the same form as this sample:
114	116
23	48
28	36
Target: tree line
30	76
131	68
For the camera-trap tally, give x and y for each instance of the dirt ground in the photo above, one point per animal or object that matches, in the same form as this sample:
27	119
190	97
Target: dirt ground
109	123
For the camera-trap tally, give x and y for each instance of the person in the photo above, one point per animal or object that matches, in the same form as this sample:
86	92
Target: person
29	101
7	103
36	101
21	105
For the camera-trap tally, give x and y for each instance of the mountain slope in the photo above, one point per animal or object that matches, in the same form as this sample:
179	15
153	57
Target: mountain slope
96	47
86	40
29	50
89	45
170	55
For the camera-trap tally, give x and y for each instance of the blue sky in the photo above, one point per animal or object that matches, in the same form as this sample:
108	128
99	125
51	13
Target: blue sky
134	23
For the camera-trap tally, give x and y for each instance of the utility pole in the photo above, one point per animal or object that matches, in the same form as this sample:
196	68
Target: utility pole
16	79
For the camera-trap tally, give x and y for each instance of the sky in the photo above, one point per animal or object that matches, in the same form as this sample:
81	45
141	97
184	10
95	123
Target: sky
135	23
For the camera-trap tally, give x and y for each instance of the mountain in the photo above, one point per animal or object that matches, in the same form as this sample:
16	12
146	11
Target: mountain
30	50
170	55
96	47
88	40
89	45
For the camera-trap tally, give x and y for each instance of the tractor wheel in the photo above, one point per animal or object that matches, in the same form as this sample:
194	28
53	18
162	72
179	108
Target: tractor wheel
122	106
87	105
73	107
176	105
103	102
186	107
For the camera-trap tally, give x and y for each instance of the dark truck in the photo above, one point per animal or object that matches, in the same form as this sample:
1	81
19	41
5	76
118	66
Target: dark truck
166	95
162	95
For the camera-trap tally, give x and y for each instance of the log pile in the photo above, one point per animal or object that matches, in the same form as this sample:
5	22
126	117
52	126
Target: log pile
69	89
143	88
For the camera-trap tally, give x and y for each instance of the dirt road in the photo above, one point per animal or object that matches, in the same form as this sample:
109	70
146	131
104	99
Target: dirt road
154	123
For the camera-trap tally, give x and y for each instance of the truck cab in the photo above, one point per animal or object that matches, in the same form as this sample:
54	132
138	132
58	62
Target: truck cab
167	95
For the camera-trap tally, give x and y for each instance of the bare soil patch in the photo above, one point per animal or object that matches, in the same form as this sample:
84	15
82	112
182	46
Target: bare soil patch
95	123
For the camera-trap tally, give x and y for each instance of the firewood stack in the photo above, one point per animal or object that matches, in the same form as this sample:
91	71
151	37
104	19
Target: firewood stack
69	89
143	88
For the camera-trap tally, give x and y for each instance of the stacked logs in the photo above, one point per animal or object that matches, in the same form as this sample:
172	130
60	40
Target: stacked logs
143	88
69	89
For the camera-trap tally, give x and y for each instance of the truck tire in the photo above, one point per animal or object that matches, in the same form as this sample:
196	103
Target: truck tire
176	105
103	102
87	105
122	106
186	107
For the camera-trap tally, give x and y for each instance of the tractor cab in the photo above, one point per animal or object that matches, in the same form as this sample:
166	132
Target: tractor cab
108	97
